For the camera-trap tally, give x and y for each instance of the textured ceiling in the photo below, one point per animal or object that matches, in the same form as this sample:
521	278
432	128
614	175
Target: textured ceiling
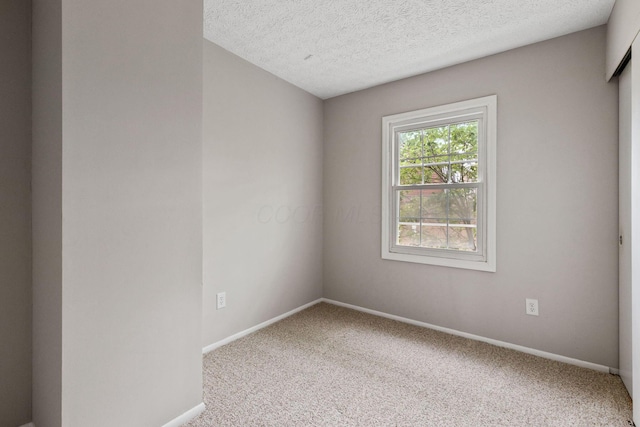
332	47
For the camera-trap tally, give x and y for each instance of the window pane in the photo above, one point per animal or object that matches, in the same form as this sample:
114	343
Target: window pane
464	168
464	137
409	218
410	148
436	170
463	219
434	236
436	141
436	174
463	205
409	206
410	176
462	238
408	234
434	205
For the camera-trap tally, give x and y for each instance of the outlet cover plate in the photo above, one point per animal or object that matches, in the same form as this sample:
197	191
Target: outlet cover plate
221	300
531	307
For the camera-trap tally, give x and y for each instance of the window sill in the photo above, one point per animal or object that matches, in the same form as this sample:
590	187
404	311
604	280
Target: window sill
488	265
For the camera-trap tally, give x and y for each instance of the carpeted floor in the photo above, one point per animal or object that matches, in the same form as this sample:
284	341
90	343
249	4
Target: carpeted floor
330	366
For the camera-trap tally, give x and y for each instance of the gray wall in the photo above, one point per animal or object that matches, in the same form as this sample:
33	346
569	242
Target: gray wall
117	149
262	195
557	202
47	212
15	212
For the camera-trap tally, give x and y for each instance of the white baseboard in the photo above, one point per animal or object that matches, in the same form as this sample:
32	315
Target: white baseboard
176	422
522	349
253	329
544	354
187	416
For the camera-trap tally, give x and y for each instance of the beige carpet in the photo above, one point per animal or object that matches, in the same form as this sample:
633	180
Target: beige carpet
330	366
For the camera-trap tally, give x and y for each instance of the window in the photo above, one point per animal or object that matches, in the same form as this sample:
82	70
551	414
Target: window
439	185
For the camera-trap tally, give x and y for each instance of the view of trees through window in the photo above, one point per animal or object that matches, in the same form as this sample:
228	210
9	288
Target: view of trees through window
438	176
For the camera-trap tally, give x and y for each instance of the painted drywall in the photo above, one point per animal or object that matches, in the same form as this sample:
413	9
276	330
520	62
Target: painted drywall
557	202
15	212
128	155
262	195
47	212
624	215
622	29
635	219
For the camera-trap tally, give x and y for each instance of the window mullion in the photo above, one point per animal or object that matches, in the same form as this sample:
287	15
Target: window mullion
449	181
423	172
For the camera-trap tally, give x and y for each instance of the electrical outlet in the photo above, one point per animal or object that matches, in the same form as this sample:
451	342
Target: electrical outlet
221	300
532	307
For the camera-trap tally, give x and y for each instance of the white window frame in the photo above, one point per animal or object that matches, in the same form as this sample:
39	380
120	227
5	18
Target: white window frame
485	109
